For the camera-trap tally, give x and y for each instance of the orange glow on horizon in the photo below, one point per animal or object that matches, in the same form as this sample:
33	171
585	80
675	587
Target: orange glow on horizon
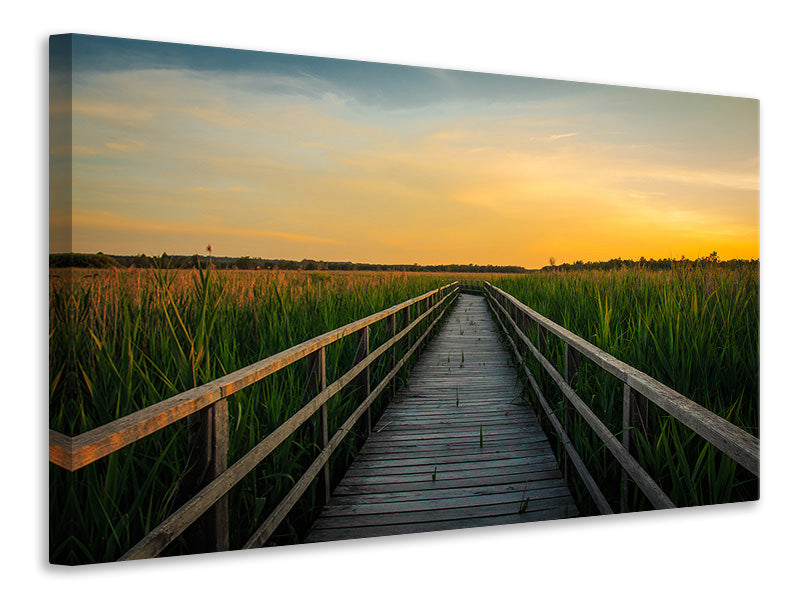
168	160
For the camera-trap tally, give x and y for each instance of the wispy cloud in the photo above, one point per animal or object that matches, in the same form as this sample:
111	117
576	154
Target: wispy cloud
552	138
303	164
111	111
110	221
221	118
125	145
560	136
644	195
78	150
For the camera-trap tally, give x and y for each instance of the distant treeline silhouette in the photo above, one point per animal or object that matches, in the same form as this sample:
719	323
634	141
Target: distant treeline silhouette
652	264
104	261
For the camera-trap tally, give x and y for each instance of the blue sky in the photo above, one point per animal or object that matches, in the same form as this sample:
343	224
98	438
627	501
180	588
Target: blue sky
175	147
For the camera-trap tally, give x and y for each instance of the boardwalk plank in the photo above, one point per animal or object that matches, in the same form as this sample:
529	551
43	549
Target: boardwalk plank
349	533
387	460
430	504
437	514
442	484
444	466
458	447
465	444
448	451
443	475
433	493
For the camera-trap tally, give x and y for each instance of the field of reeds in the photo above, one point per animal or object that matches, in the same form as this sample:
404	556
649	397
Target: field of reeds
124	339
695	330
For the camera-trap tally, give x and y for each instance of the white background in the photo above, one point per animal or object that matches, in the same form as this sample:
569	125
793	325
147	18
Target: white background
730	48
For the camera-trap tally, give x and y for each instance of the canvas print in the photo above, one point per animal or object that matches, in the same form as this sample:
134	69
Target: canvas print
297	299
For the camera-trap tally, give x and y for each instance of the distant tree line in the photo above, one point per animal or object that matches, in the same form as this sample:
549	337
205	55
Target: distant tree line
652	264
165	261
104	261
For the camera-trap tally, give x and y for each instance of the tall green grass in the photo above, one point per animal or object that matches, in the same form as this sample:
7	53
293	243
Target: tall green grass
695	330
123	340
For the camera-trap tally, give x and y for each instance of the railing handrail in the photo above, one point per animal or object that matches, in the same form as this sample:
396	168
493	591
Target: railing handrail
741	446
75	452
72	453
163	534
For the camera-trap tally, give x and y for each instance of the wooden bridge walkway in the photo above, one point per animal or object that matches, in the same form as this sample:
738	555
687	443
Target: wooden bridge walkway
459	447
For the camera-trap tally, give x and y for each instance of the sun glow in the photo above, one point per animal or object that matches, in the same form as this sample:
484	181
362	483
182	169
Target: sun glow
347	161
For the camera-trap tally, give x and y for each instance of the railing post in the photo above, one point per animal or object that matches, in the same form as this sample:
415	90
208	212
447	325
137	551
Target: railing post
635	409
221	443
626	436
570	363
419	310
541	340
425	309
362	381
406	321
393	331
570	371
315	363
528	325
208	432
639	411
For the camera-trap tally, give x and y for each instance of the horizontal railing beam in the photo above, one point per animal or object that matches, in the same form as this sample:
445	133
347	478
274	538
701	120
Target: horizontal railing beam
738	444
260	537
61	450
580	467
649	487
160	537
86	448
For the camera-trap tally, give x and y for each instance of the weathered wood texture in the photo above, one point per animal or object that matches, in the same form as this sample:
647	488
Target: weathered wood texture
160	537
580	467
653	492
456	448
73	453
741	446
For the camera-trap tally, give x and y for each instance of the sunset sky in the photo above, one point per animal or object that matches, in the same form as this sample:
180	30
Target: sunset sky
176	147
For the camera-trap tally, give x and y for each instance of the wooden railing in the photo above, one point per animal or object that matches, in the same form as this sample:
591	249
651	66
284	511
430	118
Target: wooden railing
639	389
210	402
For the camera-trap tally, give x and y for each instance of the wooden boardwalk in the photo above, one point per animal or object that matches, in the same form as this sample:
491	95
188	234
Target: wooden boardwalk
457	448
